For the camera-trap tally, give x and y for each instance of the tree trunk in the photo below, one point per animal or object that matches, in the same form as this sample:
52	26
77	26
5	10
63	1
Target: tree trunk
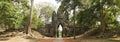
28	29
74	23
88	33
102	21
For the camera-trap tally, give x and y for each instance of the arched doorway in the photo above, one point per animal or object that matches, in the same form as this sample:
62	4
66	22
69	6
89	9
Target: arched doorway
60	30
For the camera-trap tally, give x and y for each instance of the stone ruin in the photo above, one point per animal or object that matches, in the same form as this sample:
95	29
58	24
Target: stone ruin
59	19
51	29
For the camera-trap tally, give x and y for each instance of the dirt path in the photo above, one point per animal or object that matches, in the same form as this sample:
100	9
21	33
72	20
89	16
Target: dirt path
20	39
16	39
57	40
77	40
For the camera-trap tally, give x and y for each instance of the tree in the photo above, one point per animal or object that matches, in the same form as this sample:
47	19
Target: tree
45	11
28	29
102	11
13	12
103	7
9	16
93	13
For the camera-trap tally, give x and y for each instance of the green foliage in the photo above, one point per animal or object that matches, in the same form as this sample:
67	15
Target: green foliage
46	12
116	2
91	16
14	14
8	14
89	12
35	21
110	14
86	18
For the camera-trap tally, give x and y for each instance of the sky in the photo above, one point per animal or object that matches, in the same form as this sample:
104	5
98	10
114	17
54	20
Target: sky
53	2
49	1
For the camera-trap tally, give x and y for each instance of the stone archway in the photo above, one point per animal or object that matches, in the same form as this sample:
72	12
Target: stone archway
59	19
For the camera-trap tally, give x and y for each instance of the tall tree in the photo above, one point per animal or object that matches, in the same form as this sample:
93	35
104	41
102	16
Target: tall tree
45	11
28	29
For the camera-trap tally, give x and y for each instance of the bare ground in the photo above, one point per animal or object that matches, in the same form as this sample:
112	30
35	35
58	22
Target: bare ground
19	38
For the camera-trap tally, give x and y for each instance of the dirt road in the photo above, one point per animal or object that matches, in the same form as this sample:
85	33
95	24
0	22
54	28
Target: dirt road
57	40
